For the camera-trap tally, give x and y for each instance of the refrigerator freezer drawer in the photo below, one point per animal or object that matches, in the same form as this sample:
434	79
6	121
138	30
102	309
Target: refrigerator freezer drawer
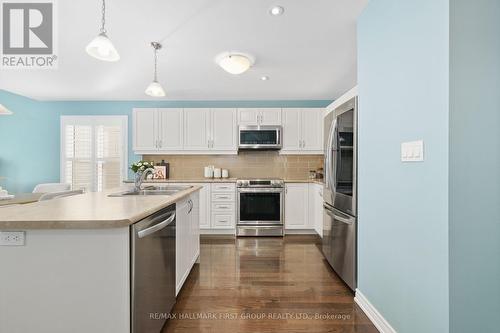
339	244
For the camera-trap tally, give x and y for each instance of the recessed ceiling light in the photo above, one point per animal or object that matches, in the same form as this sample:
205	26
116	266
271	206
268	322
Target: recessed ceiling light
277	11
234	62
264	78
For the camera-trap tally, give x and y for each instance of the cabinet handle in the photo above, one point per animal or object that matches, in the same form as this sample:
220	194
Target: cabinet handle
190	206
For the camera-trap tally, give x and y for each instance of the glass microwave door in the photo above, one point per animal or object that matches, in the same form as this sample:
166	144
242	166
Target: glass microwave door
260	137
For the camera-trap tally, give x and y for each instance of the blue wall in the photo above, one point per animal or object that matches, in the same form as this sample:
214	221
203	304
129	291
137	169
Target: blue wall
475	166
403	58
30	139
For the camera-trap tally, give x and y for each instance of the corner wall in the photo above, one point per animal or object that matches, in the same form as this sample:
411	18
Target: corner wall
475	166
403	58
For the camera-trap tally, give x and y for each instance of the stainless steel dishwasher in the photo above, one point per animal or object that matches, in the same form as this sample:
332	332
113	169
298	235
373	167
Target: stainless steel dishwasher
152	271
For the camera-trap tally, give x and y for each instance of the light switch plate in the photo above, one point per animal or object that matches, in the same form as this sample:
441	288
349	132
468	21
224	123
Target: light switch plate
12	238
412	151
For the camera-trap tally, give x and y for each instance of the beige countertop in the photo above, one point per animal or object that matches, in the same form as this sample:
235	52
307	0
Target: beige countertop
221	180
22	198
194	180
305	181
94	210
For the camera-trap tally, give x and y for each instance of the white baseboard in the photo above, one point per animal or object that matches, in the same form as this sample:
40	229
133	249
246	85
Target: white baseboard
377	319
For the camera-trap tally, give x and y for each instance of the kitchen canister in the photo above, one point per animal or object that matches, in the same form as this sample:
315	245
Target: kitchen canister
217	173
208	171
225	173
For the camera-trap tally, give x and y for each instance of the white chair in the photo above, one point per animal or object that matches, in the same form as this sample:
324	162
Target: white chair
57	195
51	187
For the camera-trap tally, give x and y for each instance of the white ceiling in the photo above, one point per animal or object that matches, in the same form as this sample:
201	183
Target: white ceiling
309	53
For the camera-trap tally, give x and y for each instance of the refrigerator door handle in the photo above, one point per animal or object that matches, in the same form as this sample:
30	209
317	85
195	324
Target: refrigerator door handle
329	155
337	217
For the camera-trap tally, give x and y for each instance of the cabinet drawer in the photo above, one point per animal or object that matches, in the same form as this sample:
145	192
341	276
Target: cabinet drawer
223	207
223	197
223	221
223	187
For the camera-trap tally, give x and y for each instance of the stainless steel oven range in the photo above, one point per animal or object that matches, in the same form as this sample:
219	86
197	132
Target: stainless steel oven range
260	207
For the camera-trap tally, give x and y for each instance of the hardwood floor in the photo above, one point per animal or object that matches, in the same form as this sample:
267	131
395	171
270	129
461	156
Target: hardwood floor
265	285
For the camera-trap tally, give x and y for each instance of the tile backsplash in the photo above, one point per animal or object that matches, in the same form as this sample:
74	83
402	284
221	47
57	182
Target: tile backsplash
245	164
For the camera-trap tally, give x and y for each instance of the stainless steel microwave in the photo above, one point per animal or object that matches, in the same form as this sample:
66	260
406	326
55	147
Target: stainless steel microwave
260	137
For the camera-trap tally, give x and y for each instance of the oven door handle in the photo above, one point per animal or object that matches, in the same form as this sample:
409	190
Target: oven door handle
260	190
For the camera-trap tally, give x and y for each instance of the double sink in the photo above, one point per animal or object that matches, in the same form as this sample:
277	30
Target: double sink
153	190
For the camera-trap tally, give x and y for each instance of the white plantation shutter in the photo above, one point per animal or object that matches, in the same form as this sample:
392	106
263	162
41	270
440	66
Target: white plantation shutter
94	151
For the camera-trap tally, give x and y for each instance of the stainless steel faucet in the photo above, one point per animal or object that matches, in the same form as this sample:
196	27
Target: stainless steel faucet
140	180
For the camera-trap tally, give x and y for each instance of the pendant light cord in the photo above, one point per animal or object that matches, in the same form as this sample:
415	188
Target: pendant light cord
156	65
103	19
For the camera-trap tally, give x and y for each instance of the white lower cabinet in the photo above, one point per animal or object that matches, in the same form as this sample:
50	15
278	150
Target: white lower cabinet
223	206
316	208
297	206
217	207
187	233
304	207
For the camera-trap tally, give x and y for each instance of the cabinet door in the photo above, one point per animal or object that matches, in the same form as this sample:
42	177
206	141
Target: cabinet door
145	129
223	129
205	203
248	116
196	123
291	129
318	209
296	206
270	116
171	129
181	245
194	235
312	129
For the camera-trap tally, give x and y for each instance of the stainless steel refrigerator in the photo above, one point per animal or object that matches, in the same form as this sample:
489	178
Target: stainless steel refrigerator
340	192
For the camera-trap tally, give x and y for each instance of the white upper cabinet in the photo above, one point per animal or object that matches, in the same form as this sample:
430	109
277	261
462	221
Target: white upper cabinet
312	130
248	116
302	131
291	129
223	134
170	124
196	126
145	129
270	116
259	116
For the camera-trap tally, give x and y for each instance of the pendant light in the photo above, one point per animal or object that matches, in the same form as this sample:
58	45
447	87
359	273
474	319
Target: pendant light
4	111
155	89
101	47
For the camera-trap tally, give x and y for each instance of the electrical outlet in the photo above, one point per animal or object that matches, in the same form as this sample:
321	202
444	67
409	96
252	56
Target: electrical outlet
12	238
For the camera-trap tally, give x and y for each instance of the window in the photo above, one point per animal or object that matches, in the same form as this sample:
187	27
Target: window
93	151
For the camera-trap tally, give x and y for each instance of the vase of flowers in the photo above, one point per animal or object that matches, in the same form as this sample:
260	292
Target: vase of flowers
139	167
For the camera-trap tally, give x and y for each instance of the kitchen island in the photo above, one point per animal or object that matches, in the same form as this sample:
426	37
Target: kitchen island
72	271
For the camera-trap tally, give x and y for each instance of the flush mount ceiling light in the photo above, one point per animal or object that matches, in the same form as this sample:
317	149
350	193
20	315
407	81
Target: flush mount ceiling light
264	78
101	47
4	111
235	62
155	89
276	11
